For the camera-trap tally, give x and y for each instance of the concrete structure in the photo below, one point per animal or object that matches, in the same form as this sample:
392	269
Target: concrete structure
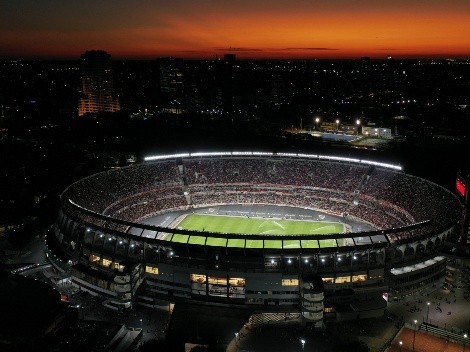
104	233
378	132
97	84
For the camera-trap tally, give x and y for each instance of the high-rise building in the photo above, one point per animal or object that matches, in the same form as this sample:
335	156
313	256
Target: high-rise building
171	84
97	84
171	76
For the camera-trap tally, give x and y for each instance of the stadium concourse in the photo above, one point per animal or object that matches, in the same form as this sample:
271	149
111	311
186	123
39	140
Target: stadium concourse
123	235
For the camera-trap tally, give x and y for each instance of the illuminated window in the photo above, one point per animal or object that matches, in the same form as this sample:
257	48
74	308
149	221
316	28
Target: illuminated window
118	266
217	280
236	281
342	279
107	263
198	284
290	282
327	280
151	270
94	258
359	278
198	278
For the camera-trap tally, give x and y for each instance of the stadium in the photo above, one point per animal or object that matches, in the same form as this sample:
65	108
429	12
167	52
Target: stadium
323	237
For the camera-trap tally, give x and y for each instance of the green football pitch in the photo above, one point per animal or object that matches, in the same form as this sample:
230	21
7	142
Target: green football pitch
253	227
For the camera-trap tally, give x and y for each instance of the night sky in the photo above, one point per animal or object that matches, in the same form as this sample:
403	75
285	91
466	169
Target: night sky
249	28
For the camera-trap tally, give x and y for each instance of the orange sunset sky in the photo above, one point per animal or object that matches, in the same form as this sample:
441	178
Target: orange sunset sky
251	29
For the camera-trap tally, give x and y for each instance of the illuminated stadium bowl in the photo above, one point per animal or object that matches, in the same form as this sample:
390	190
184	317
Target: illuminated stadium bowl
254	229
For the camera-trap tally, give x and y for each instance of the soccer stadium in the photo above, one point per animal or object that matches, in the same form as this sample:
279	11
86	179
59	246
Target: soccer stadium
323	237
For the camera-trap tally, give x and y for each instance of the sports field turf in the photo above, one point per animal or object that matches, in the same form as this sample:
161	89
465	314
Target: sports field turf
254	226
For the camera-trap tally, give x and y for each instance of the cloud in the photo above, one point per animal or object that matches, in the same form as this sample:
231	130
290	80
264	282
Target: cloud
308	49
238	49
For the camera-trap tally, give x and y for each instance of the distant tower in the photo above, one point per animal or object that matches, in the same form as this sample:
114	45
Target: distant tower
171	76
97	84
365	63
171	84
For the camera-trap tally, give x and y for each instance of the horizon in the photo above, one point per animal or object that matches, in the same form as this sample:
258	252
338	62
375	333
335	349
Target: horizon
220	57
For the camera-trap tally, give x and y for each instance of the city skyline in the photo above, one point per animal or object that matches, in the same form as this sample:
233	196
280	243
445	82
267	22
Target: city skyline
253	30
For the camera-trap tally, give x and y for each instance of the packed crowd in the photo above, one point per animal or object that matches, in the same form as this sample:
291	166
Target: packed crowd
98	192
422	199
295	172
378	196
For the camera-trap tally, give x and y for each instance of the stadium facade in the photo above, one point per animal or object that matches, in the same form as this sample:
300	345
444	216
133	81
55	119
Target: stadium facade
104	233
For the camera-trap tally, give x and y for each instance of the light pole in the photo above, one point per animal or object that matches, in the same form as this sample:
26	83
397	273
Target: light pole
464	336
401	345
302	341
236	338
337	125
427	315
414	334
141	323
317	121
358	123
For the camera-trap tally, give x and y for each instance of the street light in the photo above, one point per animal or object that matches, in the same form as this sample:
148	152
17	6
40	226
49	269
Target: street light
337	125
302	341
358	123
427	315
236	338
317	121
414	334
464	336
401	345
141	323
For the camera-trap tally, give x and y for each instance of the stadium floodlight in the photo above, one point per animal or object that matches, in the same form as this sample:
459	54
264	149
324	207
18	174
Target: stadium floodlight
339	158
257	153
385	165
287	154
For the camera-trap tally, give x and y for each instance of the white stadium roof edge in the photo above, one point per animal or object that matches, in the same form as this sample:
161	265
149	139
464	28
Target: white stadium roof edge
292	155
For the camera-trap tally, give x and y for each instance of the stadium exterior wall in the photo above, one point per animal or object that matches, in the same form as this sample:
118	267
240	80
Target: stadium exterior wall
127	268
